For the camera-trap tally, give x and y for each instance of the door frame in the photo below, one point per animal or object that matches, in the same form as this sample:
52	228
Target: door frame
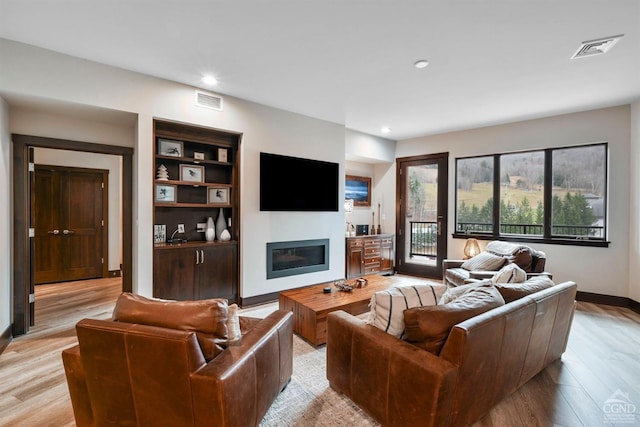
22	244
443	206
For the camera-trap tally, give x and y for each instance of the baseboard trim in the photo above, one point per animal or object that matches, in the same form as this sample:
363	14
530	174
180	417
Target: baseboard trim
608	300
259	299
5	339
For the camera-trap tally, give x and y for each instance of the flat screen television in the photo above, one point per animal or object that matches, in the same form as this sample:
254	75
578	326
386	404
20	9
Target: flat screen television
296	184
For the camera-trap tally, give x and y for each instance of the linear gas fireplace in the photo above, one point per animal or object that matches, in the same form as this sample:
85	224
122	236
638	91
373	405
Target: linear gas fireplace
297	257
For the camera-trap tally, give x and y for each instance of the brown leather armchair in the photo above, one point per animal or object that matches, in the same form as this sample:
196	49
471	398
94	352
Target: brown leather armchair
132	374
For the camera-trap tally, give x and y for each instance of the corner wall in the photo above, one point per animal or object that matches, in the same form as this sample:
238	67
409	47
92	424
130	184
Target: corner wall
598	270
6	203
634	222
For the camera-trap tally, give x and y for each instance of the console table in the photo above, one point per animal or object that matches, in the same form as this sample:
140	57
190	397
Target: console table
369	255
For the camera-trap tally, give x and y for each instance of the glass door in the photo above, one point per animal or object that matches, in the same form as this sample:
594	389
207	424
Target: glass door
422	217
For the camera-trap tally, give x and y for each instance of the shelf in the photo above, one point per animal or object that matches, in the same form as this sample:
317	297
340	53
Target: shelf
190	205
192	160
193	184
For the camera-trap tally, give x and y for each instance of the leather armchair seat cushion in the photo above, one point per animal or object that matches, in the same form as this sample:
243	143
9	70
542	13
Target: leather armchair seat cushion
513	291
207	318
456	275
429	327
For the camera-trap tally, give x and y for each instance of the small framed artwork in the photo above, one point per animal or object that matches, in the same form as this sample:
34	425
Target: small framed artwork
169	147
222	155
191	173
198	155
358	188
218	195
159	233
166	193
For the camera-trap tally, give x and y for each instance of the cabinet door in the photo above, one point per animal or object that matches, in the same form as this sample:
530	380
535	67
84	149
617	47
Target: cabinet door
217	272
174	273
355	258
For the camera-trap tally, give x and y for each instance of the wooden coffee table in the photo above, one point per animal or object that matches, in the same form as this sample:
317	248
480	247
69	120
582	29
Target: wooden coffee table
310	305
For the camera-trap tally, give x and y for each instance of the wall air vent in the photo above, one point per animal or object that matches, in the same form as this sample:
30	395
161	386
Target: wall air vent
208	100
596	47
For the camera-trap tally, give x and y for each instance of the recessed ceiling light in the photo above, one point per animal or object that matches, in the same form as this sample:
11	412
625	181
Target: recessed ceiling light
210	80
385	129
422	63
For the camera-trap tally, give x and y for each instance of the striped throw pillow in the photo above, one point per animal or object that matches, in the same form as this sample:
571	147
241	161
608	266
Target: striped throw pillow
484	261
387	306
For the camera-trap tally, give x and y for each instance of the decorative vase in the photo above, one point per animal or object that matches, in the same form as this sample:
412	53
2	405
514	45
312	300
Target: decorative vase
210	230
225	236
221	224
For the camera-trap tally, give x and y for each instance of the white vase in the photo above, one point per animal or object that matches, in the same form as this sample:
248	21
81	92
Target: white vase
225	236
221	224
210	231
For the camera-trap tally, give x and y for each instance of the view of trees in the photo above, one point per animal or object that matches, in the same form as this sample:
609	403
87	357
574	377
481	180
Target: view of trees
578	177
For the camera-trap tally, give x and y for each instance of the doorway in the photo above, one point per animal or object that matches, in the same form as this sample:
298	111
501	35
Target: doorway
23	241
70	221
421	183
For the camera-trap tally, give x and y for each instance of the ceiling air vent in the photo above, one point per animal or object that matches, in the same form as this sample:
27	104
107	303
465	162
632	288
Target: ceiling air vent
208	100
596	47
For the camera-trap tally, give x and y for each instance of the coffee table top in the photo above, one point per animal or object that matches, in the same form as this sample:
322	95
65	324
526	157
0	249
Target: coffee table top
314	298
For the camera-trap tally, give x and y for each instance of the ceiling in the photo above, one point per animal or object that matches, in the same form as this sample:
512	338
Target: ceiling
351	62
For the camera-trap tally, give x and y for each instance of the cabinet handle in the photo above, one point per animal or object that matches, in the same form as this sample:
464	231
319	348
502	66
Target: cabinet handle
201	257
197	257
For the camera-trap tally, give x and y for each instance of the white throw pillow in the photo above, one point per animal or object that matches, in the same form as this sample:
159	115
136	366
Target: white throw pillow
233	324
510	273
457	291
387	306
484	261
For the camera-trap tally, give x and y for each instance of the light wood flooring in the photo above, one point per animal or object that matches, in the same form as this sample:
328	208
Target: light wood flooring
601	360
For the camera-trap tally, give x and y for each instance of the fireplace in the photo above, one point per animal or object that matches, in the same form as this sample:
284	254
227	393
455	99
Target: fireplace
297	257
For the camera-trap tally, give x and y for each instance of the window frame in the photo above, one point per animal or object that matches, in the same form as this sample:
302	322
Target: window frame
547	236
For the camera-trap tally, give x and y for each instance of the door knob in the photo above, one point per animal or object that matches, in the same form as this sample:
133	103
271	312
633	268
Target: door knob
66	232
53	231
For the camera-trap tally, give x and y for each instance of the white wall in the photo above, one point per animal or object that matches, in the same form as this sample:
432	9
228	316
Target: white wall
598	270
80	82
6	203
634	220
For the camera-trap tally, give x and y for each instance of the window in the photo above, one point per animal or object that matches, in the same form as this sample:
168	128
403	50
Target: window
557	195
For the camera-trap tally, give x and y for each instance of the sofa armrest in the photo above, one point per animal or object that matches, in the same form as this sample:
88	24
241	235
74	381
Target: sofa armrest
452	263
255	370
393	381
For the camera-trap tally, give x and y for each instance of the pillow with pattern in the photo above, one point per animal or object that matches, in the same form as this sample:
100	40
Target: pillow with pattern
510	273
484	261
387	306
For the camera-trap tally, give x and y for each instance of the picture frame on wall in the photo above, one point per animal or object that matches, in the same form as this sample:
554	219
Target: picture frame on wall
170	147
218	195
166	193
191	173
358	188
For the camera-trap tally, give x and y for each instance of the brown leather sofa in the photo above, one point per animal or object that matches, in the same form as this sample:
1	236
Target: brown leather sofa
124	373
484	359
530	260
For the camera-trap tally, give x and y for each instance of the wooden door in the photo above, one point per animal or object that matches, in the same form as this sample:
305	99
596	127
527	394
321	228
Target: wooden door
421	214
69	211
355	257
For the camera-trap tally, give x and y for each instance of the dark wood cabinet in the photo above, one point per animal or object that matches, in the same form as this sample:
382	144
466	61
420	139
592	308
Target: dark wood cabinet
196	176
369	255
196	271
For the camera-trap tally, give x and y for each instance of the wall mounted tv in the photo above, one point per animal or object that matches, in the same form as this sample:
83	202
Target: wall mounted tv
295	184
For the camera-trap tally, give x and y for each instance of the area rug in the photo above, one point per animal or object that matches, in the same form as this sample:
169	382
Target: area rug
308	400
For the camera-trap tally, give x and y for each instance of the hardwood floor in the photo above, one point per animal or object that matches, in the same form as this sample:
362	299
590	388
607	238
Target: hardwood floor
601	359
